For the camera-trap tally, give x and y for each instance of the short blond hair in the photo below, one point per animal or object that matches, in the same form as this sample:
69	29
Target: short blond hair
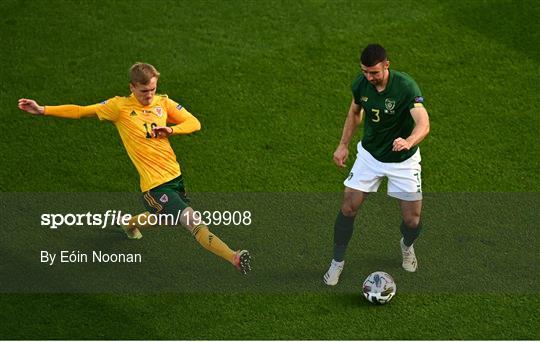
142	73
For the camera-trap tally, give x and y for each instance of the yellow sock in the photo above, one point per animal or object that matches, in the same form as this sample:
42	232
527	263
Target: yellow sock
212	243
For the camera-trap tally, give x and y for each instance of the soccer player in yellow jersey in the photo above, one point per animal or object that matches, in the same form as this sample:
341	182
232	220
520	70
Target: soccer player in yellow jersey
141	120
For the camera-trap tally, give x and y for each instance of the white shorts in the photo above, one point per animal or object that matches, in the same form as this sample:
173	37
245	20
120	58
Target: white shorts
404	181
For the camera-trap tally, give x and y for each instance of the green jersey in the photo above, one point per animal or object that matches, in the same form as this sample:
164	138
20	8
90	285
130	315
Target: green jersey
387	114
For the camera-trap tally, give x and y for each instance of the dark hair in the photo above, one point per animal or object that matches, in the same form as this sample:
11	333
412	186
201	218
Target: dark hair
373	54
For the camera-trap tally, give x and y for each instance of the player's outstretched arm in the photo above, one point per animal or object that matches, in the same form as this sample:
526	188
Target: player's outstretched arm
63	111
31	107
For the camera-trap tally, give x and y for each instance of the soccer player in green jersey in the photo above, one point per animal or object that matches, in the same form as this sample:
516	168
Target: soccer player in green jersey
395	123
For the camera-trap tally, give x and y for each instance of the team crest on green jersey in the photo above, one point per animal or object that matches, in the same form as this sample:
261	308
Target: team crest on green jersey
390	106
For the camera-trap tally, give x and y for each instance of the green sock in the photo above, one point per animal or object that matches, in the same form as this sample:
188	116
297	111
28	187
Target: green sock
410	234
343	229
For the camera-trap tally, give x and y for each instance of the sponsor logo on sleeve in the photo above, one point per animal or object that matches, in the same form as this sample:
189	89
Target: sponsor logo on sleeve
103	102
179	107
419	99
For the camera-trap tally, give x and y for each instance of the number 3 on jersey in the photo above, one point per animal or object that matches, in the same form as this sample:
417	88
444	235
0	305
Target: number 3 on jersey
152	126
377	118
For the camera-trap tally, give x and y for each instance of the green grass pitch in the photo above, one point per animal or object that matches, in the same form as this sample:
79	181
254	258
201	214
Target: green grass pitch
270	83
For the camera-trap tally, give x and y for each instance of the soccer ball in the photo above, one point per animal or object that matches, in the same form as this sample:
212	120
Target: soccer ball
379	288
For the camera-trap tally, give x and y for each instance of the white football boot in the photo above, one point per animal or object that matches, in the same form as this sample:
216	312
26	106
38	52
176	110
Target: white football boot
409	259
242	261
332	275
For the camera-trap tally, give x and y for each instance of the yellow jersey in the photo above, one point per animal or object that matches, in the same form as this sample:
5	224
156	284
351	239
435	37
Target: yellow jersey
153	157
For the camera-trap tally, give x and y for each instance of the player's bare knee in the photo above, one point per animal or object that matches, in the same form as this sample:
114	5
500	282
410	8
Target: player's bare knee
348	209
188	219
412	221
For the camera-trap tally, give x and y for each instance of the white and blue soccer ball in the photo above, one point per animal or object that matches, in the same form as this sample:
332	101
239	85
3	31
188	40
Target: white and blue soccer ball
379	288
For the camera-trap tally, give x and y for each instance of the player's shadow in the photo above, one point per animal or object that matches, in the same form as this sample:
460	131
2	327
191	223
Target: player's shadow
353	301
